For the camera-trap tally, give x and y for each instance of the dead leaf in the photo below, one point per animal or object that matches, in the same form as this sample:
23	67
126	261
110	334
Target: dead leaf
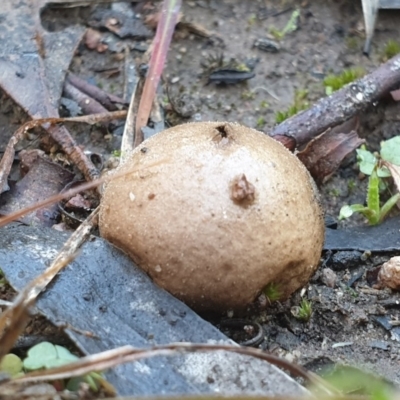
33	64
43	180
323	155
395	171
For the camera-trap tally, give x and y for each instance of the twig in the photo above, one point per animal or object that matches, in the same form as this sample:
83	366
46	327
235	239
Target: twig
112	358
85	102
340	106
162	40
107	100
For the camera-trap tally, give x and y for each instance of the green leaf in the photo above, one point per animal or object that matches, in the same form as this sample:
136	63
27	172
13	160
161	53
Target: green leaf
46	355
388	206
65	354
366	161
11	364
390	150
347	211
40	354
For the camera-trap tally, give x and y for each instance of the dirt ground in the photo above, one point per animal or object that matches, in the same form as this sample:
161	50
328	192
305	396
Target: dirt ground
344	327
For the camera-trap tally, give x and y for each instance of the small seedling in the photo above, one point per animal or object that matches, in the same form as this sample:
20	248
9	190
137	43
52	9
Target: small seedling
336	82
46	355
303	311
371	164
272	292
300	104
290	27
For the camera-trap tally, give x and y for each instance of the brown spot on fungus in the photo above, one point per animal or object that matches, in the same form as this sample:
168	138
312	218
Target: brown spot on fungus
242	191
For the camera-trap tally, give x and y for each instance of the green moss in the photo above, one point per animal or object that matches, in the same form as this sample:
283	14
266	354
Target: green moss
260	122
252	19
351	184
334	192
304	310
352	43
247	95
391	49
272	292
291	26
300	104
335	82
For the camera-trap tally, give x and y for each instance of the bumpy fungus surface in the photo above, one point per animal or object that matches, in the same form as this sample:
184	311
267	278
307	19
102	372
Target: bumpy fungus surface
214	212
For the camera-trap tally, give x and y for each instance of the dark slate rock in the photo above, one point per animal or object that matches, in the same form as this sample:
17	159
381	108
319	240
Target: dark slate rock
381	238
103	292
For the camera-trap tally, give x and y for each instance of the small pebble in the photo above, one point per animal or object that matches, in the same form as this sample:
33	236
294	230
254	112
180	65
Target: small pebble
328	278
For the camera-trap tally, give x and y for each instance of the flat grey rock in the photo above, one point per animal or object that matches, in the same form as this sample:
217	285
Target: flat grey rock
382	238
103	292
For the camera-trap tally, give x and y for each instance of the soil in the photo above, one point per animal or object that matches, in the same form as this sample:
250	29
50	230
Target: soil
343	327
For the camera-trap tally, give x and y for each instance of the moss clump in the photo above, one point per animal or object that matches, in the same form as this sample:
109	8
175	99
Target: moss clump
300	104
335	82
391	49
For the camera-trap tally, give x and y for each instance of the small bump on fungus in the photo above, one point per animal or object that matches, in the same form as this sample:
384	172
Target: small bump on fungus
219	212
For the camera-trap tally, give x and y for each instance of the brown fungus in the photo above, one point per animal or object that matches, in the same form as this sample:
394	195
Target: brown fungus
223	221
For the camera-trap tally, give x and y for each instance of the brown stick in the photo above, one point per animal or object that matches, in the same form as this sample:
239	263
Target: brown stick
85	102
340	106
61	135
107	100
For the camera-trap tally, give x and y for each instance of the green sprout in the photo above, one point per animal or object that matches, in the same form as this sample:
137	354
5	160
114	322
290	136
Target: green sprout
264	104
300	104
373	165
303	311
116	153
336	82
272	292
391	49
290	27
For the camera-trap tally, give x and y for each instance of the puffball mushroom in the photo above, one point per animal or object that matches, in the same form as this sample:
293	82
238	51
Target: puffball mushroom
214	212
